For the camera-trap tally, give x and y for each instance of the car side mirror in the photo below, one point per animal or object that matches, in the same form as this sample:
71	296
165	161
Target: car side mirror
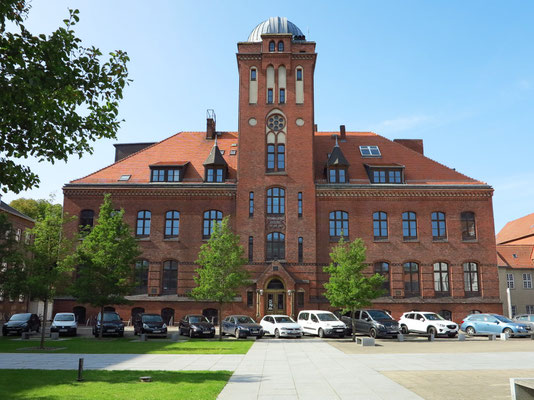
368	319
497	322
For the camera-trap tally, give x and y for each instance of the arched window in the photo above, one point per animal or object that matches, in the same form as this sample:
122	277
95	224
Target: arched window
382	268
471	277
409	225
441	278
143	224
439	227
211	218
141	277
380	225
275	284
253	73
276	153
172	224
170	277
276	201
339	224
276	246
411	279
469	231
86	220
280	46
271	46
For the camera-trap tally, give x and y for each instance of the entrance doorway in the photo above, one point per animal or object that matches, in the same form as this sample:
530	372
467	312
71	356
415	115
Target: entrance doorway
275	297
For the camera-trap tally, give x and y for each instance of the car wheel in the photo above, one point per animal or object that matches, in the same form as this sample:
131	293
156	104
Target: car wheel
432	331
277	333
372	333
470	331
404	330
508	331
321	333
236	334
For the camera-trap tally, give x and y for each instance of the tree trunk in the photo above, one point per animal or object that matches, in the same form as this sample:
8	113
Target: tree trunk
100	333
220	321
43	328
353	325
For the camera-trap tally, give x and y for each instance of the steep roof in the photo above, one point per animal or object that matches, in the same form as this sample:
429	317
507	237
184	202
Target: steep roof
517	229
515	256
337	157
215	157
419	170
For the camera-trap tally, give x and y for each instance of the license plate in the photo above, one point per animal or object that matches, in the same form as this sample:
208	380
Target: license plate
156	331
206	331
111	330
63	330
340	330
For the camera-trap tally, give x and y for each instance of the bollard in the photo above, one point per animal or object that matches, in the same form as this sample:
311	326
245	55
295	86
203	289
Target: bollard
400	337
54	335
461	337
492	337
175	337
431	337
504	336
80	369
532	336
25	335
143	337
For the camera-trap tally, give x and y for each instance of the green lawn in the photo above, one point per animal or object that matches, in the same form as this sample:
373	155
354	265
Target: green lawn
56	385
126	346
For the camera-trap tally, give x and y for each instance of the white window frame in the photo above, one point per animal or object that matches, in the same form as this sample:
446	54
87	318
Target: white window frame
369	150
510	282
527	281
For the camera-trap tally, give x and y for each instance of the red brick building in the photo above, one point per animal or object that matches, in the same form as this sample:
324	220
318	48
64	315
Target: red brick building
291	192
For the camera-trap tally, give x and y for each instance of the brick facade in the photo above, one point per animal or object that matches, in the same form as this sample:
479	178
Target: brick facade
426	187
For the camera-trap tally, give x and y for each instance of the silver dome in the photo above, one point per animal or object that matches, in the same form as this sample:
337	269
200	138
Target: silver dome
275	25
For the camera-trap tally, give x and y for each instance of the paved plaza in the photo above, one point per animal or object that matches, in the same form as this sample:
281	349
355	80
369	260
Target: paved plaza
312	368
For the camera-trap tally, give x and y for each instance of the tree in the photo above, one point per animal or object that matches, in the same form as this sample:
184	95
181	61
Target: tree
221	271
46	263
105	259
56	96
35	209
348	288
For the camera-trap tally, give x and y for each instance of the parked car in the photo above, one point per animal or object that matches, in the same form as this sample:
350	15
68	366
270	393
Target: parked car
280	326
241	326
64	323
527	319
151	324
320	322
375	323
493	324
19	323
196	325
112	325
427	322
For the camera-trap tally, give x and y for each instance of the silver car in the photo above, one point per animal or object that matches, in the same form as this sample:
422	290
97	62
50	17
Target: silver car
527	319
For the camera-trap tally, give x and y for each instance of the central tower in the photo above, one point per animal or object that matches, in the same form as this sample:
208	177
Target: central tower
276	192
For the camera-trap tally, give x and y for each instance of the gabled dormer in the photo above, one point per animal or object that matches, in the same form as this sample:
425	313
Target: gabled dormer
166	171
215	166
337	166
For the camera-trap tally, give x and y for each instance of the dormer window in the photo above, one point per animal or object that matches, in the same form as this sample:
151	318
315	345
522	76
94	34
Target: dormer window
337	174
370	151
337	166
167	172
215	166
387	174
215	174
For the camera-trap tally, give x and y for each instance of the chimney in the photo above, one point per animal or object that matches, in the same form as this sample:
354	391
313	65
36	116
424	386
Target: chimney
210	124
414	144
315	127
343	136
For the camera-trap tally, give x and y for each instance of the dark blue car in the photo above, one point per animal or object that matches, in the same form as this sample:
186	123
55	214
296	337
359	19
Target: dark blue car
488	324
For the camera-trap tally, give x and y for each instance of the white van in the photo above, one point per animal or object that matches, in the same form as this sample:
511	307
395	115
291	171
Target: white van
321	322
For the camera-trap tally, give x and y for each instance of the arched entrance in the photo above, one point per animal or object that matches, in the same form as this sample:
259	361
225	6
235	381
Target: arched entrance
136	311
80	314
275	297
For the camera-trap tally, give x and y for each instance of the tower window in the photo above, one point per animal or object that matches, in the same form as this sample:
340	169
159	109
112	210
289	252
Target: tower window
282	96
299	74
281	158
251	204
276	201
276	246
280	46
270	96
271	46
301	249
300	205
250	249
253	74
276	155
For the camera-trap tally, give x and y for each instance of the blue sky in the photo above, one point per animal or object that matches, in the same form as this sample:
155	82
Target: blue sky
457	74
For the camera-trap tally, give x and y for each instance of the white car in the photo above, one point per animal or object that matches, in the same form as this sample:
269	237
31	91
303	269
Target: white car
322	323
280	325
427	322
64	323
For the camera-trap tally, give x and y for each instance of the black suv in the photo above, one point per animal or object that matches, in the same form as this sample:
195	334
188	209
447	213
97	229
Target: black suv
196	325
375	323
113	324
19	323
151	324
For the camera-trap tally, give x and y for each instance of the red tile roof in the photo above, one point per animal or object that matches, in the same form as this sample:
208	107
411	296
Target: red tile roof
516	229
515	256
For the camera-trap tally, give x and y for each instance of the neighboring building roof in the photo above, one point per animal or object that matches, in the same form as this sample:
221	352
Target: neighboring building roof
7	208
274	25
517	229
515	256
194	148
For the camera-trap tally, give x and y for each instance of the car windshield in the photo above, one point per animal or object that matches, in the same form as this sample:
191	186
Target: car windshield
111	317
152	318
502	319
20	317
434	317
195	319
282	320
245	320
327	317
377	314
64	317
